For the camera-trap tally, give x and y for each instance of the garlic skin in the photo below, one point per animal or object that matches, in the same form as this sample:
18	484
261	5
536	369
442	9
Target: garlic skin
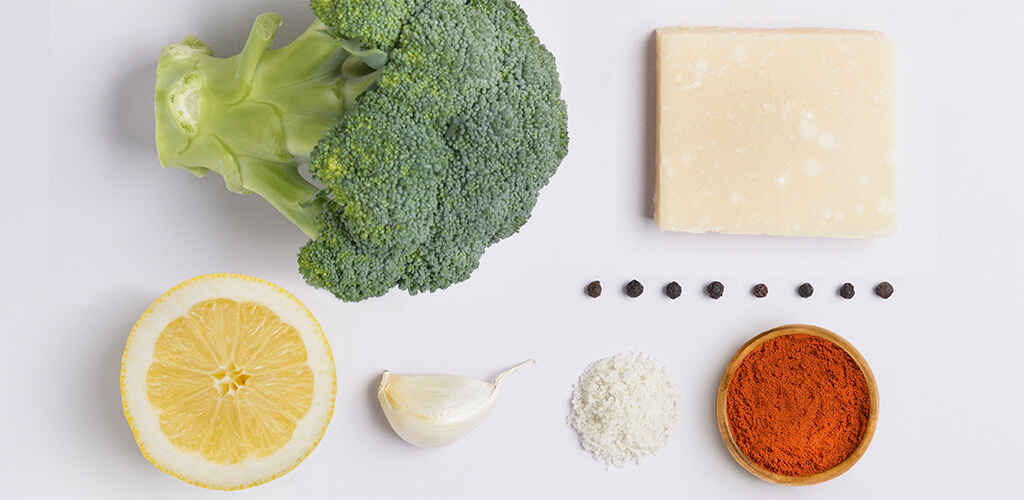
431	411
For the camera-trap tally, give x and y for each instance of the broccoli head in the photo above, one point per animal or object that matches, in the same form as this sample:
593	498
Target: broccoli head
428	128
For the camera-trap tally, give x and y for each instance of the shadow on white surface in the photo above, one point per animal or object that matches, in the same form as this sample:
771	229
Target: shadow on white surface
650	113
380	422
131	118
100	392
710	418
108	324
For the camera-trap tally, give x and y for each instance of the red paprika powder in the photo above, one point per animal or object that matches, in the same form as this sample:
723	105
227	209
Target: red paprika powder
798	405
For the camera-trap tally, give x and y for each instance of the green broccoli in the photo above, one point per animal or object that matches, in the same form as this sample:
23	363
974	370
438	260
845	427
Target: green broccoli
428	127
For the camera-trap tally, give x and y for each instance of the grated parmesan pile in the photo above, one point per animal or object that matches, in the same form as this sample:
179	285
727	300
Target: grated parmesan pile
624	408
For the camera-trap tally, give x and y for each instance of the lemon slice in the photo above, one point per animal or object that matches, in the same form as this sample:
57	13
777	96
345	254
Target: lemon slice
227	382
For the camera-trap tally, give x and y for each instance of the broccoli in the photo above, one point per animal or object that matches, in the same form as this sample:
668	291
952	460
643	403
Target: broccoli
428	128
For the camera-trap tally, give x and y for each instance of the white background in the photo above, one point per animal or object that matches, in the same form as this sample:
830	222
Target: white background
92	230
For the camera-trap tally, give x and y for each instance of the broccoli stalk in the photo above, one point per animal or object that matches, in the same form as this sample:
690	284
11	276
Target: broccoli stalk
255	117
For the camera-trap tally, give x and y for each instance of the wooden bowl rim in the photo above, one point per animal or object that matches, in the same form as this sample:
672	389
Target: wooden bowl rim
723	421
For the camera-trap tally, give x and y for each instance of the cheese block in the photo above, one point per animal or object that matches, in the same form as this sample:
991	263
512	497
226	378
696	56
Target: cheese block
783	132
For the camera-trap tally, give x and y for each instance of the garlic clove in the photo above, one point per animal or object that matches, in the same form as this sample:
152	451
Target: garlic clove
430	411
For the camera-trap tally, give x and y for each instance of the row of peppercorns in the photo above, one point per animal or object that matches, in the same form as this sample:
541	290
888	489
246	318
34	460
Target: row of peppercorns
716	289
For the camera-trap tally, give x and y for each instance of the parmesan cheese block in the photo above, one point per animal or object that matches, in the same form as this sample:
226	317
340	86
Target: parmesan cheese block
783	132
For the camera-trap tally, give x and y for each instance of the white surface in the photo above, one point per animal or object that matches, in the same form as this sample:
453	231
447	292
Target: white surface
92	230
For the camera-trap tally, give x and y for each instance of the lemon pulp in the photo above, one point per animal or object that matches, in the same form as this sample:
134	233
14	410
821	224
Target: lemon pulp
228	380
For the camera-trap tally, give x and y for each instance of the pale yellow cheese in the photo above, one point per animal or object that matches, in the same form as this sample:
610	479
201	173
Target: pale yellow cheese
785	132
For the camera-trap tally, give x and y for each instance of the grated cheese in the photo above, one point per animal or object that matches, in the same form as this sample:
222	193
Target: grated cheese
624	408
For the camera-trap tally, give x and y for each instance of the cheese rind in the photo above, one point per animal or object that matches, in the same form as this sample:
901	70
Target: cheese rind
783	132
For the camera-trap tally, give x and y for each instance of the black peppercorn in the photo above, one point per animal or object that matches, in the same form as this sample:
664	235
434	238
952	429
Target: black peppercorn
760	290
673	290
715	289
634	288
594	289
846	291
805	290
884	290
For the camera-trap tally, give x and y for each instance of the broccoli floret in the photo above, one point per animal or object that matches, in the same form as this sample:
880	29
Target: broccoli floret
431	128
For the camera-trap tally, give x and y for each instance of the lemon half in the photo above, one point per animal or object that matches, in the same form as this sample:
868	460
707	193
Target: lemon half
227	382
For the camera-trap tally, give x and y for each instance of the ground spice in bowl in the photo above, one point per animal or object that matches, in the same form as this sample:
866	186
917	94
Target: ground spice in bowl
797	405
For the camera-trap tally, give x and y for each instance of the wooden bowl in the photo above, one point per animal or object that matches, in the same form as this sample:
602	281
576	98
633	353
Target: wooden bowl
761	472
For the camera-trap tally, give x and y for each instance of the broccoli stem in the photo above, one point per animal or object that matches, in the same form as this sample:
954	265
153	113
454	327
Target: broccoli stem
286	190
254	118
261	37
